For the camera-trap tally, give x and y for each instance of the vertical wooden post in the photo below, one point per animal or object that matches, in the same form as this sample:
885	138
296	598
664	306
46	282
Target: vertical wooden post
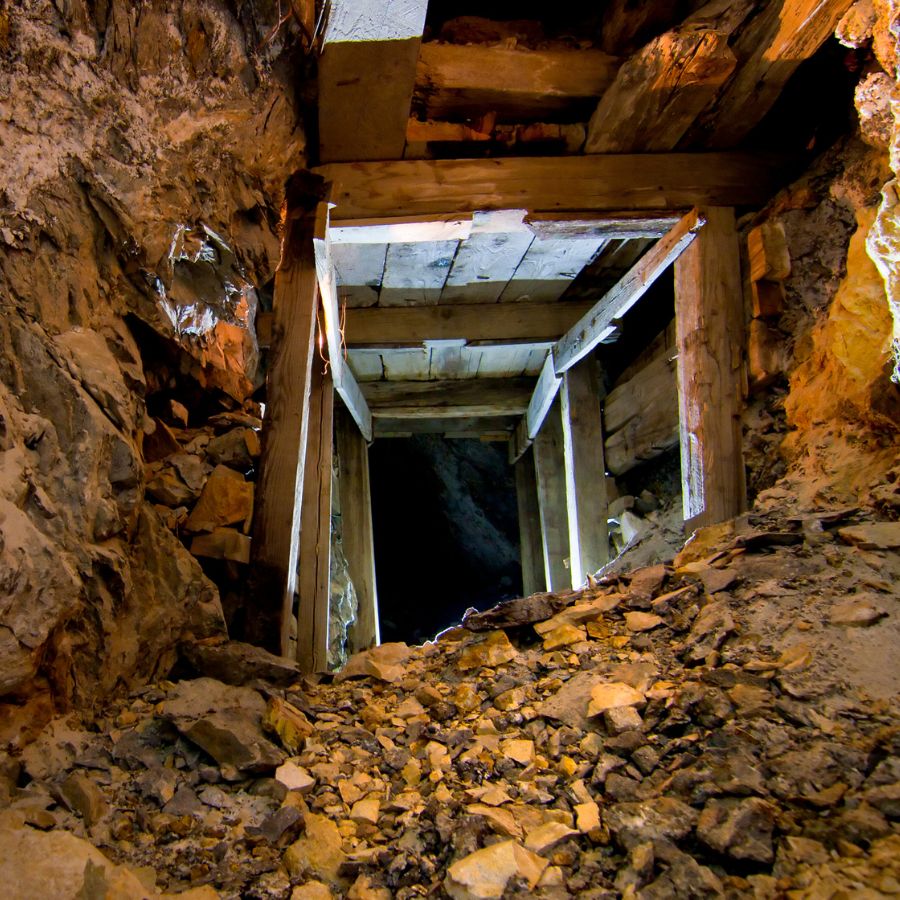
585	470
530	547
315	527
709	326
356	526
550	470
276	514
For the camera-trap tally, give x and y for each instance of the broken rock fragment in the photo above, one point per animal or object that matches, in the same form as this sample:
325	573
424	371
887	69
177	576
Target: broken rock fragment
485	873
740	828
494	650
610	696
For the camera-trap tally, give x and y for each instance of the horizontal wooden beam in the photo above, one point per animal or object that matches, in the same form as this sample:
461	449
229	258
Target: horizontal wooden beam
342	378
454	399
523	323
402	230
484	426
596	325
620	182
615	226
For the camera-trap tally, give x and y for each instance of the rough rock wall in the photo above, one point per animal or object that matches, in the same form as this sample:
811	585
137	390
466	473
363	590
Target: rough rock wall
145	146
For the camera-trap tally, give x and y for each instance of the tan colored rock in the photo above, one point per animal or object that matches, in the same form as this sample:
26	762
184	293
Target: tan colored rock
608	696
366	811
288	722
873	536
363	889
494	650
312	890
484	874
579	613
294	777
641	621
318	853
384	662
222	543
563	636
82	795
858	611
227	498
521	751
587	816
547	836
501	820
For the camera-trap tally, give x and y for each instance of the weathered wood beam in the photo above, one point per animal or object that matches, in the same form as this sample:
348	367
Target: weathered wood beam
344	380
660	91
314	563
545	392
530	545
435	399
490	426
769	50
549	464
641	415
401	229
578	183
366	74
276	514
356	530
613	226
523	323
459	79
595	326
586	502
709	325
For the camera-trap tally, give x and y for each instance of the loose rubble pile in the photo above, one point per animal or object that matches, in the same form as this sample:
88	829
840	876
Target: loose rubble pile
721	727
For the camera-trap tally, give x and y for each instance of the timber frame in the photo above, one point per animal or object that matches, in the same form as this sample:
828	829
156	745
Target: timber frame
468	294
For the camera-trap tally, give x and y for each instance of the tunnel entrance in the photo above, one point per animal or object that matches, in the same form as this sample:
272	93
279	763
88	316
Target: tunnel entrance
446	532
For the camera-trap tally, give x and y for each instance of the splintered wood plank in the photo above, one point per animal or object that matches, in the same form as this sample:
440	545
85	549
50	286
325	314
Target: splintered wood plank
415	273
403	229
549	267
530	547
488	258
769	50
367	365
549	464
407	365
611	226
457	427
586	502
524	323
366	73
709	325
314	562
434	399
357	534
360	268
659	92
584	183
596	325
276	513
457	80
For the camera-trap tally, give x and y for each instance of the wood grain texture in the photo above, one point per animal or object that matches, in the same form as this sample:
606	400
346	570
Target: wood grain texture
547	184
549	464
530	546
659	92
549	267
586	502
276	514
356	530
314	562
709	325
415	273
435	399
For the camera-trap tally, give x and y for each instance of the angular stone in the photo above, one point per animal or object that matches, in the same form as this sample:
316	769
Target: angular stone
318	853
857	611
222	543
83	796
641	621
294	777
587	816
570	703
547	836
563	636
366	811
484	874
579	613
288	722
501	820
622	718
236	663
873	536
663	818
521	751
237	448
384	662
608	696
494	650
226	499
741	829
312	890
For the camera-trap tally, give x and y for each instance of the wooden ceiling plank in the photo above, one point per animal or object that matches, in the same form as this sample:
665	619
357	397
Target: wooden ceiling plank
586	334
404	366
660	91
484	265
549	267
525	323
402	230
461	79
449	399
366	74
471	427
585	183
611	226
360	269
415	273
366	366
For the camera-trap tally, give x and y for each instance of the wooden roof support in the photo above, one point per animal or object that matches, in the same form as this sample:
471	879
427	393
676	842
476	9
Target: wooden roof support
366	75
548	184
709	325
344	381
484	323
314	563
356	530
276	514
549	464
448	399
530	546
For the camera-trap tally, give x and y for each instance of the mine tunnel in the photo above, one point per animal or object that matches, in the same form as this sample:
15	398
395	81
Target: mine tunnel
449	449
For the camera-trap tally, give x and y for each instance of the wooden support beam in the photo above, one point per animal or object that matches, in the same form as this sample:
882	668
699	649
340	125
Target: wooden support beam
709	326
530	546
314	564
276	514
367	70
356	530
612	226
586	501
459	80
401	229
545	392
489	427
455	399
660	91
578	183
521	323
343	378
595	326
549	464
